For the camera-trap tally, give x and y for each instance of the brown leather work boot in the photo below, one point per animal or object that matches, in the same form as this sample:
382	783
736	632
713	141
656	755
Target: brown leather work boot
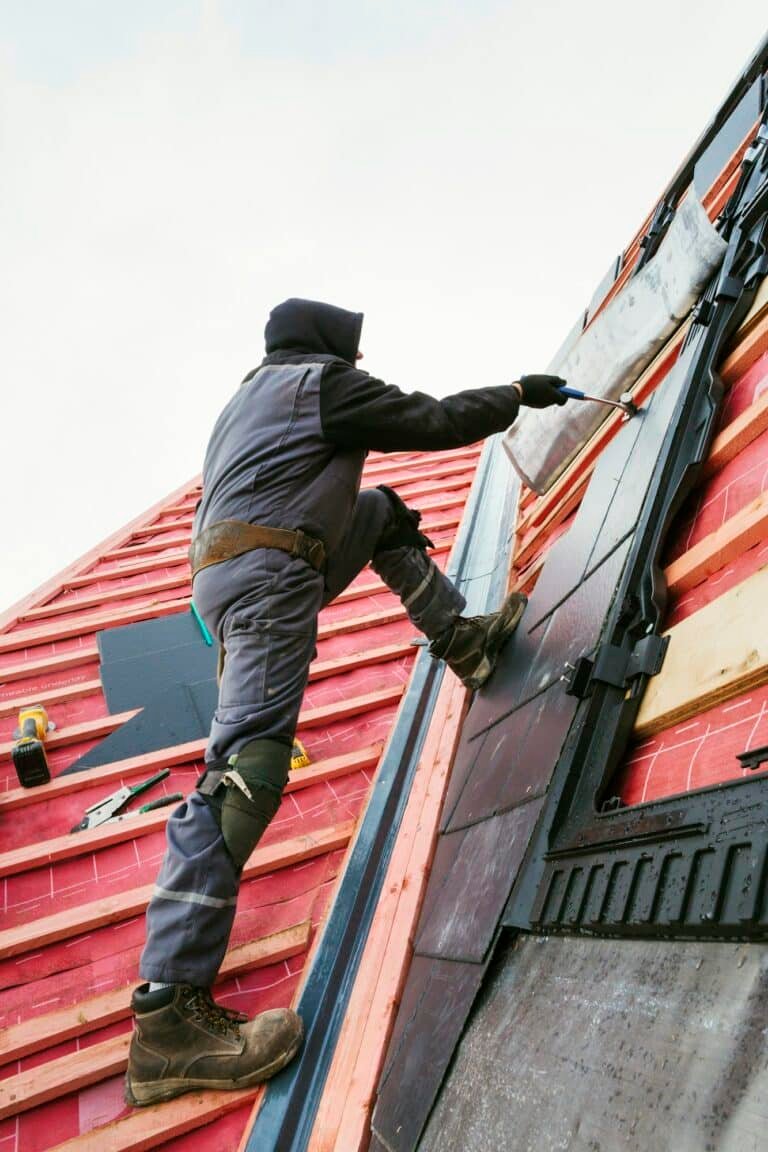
472	645
183	1040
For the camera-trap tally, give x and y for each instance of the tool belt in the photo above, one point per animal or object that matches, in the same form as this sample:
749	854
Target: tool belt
228	538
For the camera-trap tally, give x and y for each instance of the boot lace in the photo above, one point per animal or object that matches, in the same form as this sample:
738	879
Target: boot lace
204	1009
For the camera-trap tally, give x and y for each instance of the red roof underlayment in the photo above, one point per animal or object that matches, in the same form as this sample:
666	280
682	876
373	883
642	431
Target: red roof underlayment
72	917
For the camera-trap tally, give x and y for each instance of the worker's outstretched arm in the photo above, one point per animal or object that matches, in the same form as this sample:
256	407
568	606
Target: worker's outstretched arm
359	411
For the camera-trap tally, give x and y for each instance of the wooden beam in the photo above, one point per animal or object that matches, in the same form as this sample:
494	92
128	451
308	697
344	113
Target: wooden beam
341	1124
113	909
51	696
41	1032
171	560
106	774
34	669
71	1073
182	580
750	340
96	621
134	591
719	652
88	730
93	556
146	1128
308	718
87	623
135	824
122	770
737	435
732	539
129	551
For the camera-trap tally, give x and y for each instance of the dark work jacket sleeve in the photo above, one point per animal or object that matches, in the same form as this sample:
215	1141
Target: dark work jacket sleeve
359	411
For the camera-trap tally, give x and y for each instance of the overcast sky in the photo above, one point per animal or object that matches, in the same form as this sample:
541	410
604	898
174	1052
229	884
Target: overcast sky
170	169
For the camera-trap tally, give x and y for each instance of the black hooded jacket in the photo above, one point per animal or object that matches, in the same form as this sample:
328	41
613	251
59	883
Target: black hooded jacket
288	449
360	411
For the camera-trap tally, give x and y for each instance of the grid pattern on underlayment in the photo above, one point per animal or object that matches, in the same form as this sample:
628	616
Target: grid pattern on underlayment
71	905
718	541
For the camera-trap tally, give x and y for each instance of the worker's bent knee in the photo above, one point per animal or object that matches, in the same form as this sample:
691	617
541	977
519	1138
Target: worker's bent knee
249	794
403	531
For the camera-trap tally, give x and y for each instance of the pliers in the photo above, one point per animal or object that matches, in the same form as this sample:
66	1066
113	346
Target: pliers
109	808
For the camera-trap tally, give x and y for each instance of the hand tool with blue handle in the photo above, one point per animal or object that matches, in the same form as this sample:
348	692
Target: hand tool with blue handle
624	403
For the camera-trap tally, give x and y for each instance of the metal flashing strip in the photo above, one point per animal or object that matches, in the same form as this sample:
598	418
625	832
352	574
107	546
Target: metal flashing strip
479	567
691	866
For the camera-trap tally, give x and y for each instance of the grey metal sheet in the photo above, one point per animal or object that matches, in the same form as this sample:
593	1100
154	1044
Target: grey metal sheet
473	880
437	999
616	1045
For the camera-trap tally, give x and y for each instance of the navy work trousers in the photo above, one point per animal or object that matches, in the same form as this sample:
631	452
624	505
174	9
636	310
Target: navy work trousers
263	608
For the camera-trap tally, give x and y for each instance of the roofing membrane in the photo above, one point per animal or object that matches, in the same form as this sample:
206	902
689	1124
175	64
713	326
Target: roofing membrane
71	926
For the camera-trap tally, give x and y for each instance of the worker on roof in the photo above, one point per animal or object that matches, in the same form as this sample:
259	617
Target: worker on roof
281	530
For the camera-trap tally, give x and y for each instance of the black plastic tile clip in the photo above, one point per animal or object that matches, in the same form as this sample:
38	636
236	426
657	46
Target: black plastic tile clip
615	665
754	758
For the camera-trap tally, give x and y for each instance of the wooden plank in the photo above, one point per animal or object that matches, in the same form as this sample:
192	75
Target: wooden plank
737	535
45	1082
113	909
182	580
719	652
308	718
129	551
135	824
750	341
87	623
88	730
342	1119
135	591
322	669
41	1032
34	669
146	1128
354	706
144	765
96	621
154	536
734	438
360	623
115	773
171	560
61	695
50	587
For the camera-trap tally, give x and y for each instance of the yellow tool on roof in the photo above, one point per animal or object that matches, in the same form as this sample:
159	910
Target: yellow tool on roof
28	754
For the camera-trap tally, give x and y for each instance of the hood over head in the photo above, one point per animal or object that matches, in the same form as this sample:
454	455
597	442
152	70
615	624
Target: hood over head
309	326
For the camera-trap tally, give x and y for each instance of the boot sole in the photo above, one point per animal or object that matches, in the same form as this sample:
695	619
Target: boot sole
488	664
140	1093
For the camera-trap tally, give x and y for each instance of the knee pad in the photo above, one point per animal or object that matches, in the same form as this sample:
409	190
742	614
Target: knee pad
247	794
404	532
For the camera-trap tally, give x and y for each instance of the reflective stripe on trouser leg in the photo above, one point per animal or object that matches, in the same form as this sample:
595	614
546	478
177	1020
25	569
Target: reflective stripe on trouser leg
430	599
190	915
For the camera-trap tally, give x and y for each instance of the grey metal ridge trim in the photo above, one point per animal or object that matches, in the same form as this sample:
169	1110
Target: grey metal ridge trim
286	1118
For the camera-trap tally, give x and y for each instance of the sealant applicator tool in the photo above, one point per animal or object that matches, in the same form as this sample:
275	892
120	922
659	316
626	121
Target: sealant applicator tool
625	402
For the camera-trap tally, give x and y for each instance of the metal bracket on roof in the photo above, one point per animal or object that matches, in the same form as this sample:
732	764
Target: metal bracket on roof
616	665
657	229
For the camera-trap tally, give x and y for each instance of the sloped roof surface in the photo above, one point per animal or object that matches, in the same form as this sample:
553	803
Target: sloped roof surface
71	927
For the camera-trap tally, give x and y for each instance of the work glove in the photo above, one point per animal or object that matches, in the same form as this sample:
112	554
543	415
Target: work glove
540	391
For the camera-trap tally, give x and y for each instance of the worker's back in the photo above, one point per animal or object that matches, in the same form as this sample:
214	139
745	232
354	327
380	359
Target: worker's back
267	461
